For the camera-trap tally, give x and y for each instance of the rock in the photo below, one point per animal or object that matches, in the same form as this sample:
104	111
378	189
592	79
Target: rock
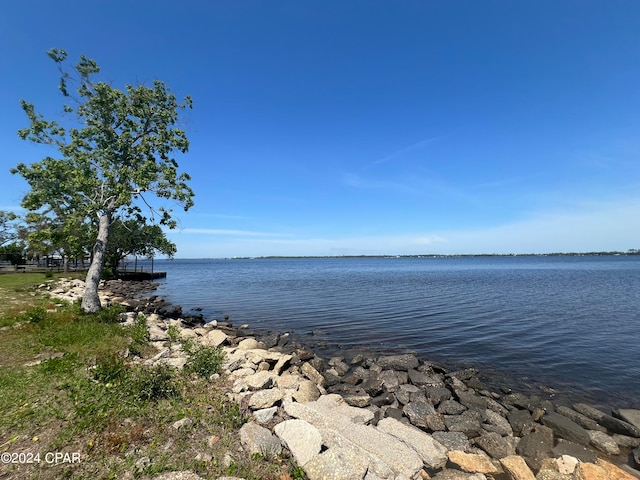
348	438
390	380
157	334
590	471
437	394
183	475
564	447
264	415
547	474
628	415
636	456
432	452
358	400
257	439
312	374
214	338
536	446
566	428
417	412
451	407
258	381
265	398
451	474
398	362
453	440
176	362
307	392
625	441
248	344
467	425
612	424
518	419
566	464
603	442
582	420
613	472
495	445
472	463
338	464
517	468
425	379
301	438
182	423
497	420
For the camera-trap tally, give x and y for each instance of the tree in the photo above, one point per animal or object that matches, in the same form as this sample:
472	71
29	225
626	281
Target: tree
133	238
8	223
119	152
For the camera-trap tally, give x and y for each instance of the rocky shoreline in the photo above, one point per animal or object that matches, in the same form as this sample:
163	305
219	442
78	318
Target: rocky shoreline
388	416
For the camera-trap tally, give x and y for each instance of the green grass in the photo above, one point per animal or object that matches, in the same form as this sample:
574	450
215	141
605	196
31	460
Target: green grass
65	385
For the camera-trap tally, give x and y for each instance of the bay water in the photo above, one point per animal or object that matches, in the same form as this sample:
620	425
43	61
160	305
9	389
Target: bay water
562	326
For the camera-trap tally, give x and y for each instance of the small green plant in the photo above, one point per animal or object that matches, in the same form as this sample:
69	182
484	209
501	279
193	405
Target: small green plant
154	383
110	314
296	472
139	335
48	274
205	361
174	333
110	369
35	315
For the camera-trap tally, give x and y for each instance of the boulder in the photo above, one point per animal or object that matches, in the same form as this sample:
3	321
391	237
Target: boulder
301	438
565	428
398	362
417	412
628	415
257	439
535	446
613	472
517	468
603	442
214	338
265	398
495	445
582	420
472	463
565	447
432	452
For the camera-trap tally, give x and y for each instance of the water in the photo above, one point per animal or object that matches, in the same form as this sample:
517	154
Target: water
569	323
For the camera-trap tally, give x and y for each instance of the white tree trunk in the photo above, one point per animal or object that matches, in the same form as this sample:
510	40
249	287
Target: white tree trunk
91	300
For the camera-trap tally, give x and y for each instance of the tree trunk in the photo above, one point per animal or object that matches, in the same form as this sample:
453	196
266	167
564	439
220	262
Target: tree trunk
91	300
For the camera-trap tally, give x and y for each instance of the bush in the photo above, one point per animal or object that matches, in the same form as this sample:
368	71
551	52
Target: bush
139	335
154	383
205	361
110	314
35	314
110	369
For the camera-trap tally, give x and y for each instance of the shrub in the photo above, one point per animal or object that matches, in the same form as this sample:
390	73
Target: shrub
205	361
174	333
110	314
110	369
35	314
139	335
154	383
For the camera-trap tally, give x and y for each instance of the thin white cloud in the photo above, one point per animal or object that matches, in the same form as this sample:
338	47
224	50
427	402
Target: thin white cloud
241	233
403	151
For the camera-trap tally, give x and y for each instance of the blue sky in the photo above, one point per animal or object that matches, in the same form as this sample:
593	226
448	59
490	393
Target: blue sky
367	127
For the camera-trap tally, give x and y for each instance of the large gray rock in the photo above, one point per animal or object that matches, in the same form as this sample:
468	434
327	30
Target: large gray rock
612	424
629	415
432	452
565	447
349	439
603	442
265	398
518	419
214	338
257	439
312	373
398	362
582	420
417	412
535	446
495	445
497	420
301	438
453	440
565	428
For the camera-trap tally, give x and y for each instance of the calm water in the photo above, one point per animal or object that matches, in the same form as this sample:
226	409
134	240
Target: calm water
571	323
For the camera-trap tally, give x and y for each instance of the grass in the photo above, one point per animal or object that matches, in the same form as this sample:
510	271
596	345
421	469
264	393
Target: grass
67	386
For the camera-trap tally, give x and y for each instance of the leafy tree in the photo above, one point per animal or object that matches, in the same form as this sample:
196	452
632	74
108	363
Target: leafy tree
8	223
133	238
119	152
13	253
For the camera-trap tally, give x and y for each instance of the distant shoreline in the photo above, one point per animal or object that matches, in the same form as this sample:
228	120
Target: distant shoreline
632	252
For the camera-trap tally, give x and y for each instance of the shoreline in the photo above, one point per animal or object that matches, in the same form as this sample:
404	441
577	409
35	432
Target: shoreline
454	410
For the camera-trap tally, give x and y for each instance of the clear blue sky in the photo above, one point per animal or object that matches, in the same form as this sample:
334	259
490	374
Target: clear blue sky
367	127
